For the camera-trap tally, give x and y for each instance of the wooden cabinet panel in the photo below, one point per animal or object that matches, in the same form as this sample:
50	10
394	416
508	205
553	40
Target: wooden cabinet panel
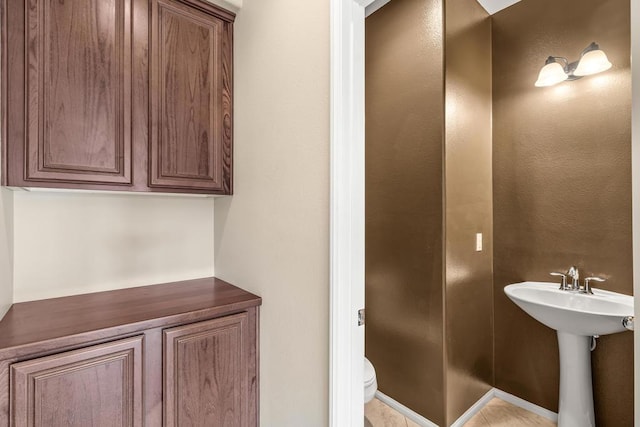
78	91
95	386
190	141
186	352
206	373
131	95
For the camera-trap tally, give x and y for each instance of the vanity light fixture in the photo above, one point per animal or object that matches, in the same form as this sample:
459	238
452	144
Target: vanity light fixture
558	69
592	61
553	72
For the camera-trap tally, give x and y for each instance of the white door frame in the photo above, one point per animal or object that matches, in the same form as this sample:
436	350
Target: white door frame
346	393
635	186
346	388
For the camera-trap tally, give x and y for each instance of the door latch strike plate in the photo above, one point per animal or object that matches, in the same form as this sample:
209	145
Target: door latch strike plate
361	317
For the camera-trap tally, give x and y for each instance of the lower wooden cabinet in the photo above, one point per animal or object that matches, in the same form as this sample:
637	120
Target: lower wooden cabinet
166	366
95	386
205	373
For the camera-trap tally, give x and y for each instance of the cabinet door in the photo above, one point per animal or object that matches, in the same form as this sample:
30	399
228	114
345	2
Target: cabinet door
78	91
205	373
96	386
190	141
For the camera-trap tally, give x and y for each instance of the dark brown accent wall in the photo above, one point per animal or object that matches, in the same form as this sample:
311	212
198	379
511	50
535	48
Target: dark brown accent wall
404	215
468	194
562	188
416	298
561	195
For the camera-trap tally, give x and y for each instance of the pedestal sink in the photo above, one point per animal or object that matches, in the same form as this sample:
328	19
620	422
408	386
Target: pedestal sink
576	317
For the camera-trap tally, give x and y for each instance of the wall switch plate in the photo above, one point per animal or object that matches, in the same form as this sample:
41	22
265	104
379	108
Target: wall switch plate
478	242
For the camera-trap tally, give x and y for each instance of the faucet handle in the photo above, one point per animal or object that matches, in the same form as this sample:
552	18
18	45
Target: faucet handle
563	283
587	286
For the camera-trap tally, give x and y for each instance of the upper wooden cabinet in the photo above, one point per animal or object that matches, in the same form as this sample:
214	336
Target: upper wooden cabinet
190	98
78	91
132	95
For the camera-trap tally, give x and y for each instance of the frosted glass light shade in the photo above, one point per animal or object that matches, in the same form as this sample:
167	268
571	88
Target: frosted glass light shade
592	62
551	74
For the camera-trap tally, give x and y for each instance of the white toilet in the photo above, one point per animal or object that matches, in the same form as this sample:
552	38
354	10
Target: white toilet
370	382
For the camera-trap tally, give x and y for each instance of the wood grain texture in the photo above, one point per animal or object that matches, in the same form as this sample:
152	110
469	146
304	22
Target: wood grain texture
140	91
108	118
3	91
42	326
188	73
13	46
254	365
187	54
153	377
206	376
4	391
84	331
227	109
95	386
79	91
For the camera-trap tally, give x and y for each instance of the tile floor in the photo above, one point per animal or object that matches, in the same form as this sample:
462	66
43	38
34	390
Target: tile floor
378	414
497	413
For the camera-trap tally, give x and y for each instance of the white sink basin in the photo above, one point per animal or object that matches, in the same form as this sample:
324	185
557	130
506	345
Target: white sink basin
576	318
572	312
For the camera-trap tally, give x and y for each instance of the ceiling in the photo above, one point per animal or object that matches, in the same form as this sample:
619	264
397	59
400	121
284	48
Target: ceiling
491	6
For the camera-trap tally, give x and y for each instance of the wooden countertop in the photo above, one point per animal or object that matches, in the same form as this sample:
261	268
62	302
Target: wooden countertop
43	325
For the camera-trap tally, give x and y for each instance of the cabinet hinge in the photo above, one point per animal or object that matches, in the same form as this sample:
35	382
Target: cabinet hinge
361	317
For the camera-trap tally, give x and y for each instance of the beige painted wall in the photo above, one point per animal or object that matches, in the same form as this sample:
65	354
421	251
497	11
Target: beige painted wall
272	236
70	243
6	250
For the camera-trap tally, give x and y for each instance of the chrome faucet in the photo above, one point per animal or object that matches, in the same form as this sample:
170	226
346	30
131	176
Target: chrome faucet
575	281
575	278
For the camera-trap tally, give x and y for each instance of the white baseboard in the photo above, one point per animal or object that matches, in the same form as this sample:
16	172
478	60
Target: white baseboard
413	416
515	400
473	410
509	398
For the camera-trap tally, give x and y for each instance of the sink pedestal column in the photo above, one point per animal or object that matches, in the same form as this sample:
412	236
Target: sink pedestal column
576	389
